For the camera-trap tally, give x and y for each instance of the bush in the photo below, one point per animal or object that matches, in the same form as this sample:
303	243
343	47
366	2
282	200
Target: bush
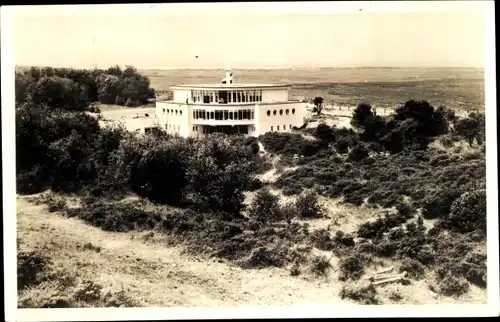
453	286
342	146
321	239
468	212
342	239
263	257
308	206
88	291
438	204
366	294
357	153
324	132
320	265
116	217
30	265
413	267
265	207
352	267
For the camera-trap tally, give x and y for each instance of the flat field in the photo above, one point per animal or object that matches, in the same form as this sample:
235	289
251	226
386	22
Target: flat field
460	88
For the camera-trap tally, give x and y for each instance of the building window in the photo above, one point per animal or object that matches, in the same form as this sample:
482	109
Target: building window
253	128
277	128
287	111
180	113
293	111
281	112
271	128
163	111
176	112
274	112
194	114
212	115
194	128
253	116
268	113
290	126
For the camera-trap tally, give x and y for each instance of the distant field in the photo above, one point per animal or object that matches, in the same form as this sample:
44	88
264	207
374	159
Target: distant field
461	88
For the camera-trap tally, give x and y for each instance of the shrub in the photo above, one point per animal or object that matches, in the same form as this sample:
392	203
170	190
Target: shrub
438	204
292	190
340	238
263	257
30	264
116	217
265	207
413	267
366	294
119	299
88	291
352	267
357	153
453	286
56	204
321	239
308	206
324	132
342	146
320	265
468	212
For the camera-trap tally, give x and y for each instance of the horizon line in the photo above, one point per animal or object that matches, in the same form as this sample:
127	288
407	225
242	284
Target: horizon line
260	68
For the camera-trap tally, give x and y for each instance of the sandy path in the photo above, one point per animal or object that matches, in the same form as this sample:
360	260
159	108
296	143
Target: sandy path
157	275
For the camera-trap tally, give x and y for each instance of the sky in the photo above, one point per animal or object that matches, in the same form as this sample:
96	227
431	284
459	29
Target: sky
156	37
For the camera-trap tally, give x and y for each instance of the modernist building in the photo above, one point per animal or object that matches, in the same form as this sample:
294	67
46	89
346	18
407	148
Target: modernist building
228	107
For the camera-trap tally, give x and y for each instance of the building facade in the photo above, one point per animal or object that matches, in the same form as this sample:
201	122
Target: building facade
251	109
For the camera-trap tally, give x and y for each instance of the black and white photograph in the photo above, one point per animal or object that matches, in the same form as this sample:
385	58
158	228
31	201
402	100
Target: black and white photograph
249	160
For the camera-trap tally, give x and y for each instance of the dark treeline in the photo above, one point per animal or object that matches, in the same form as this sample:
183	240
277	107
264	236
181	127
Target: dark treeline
74	89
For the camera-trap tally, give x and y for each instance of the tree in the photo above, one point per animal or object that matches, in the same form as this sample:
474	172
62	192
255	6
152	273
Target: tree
324	132
318	103
218	174
22	83
58	93
471	128
360	115
374	128
108	88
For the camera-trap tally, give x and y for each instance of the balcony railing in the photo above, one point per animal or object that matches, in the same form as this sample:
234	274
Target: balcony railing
222	122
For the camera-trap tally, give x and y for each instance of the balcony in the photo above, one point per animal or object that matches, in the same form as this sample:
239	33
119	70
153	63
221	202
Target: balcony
222	122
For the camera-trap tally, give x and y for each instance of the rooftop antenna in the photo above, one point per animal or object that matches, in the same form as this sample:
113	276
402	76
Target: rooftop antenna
93	51
229	76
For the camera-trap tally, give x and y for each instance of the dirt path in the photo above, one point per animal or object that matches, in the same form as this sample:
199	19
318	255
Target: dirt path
157	275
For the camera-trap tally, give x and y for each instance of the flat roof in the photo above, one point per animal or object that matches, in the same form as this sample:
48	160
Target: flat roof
229	86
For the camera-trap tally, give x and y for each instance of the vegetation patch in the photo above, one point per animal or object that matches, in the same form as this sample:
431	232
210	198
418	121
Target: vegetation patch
364	294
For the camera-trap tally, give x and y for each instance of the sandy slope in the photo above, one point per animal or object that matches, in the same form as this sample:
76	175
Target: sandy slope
156	274
159	275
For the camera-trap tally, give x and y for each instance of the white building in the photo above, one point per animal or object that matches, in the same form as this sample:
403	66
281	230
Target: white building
228	107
